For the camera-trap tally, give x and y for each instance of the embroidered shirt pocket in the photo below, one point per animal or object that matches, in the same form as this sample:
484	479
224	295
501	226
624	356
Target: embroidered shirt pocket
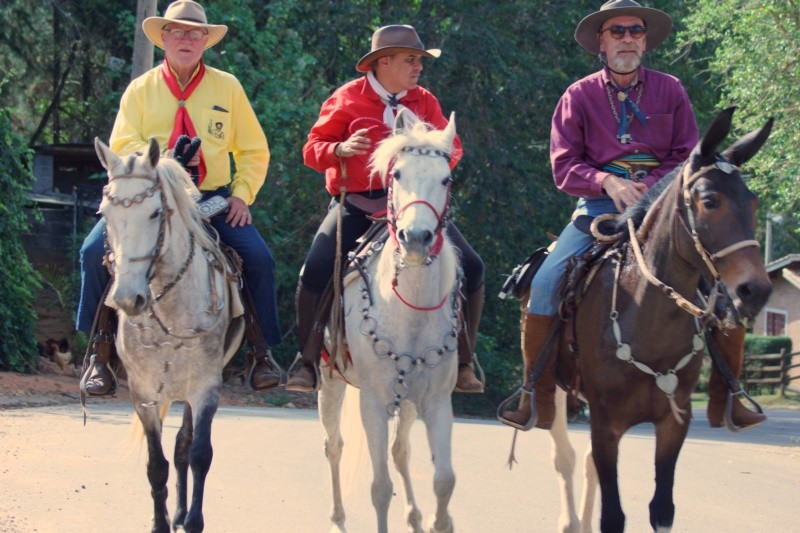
216	126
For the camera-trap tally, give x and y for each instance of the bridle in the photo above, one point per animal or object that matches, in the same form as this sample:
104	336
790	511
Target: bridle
442	216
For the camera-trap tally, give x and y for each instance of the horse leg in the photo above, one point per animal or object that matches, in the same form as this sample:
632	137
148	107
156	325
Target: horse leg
181	460
669	440
563	455
605	451
589	490
438	417
157	465
376	425
330	399
401	452
200	455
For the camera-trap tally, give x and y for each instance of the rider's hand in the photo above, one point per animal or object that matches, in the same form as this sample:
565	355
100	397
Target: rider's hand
239	213
357	144
624	192
187	151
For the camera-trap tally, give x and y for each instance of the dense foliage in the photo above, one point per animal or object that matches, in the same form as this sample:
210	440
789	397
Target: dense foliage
504	65
18	283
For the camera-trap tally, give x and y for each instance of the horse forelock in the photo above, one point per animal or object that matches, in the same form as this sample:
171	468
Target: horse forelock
419	135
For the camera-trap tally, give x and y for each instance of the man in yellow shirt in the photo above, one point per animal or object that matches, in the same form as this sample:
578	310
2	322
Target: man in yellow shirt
184	97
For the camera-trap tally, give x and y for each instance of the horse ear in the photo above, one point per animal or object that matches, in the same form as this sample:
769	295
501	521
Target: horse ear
450	130
107	158
403	121
153	152
705	151
742	150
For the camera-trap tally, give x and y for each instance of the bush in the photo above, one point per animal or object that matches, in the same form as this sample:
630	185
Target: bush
19	283
760	344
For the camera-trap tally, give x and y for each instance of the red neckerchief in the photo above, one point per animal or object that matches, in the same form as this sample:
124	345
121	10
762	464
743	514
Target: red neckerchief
183	122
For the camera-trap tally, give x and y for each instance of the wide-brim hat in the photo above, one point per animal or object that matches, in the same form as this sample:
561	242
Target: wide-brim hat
183	12
392	39
658	23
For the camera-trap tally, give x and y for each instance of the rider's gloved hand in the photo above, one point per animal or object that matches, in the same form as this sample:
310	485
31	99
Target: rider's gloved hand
185	150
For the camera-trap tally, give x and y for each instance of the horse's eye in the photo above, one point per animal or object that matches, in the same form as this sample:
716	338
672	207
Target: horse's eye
396	175
155	214
447	180
710	200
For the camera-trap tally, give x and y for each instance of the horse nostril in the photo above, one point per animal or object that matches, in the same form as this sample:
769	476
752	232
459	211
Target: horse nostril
754	294
140	301
401	235
427	237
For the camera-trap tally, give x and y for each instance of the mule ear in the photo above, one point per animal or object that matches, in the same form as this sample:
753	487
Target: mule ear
153	152
107	158
742	150
705	151
450	130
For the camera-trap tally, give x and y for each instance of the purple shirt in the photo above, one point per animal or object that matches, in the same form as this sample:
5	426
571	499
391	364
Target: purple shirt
583	135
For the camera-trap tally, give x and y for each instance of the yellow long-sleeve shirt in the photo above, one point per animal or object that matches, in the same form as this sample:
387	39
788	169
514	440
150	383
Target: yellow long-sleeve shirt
222	116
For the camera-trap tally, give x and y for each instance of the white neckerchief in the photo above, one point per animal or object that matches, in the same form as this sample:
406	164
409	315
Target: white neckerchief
389	112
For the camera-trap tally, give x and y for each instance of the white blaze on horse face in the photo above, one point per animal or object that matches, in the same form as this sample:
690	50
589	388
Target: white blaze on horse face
419	199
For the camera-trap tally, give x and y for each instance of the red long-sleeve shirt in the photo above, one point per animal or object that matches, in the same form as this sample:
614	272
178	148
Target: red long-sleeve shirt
350	102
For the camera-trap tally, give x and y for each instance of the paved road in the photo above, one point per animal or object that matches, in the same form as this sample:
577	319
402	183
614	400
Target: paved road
269	474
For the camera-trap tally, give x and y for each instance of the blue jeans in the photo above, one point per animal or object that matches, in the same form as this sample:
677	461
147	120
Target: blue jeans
572	241
259	273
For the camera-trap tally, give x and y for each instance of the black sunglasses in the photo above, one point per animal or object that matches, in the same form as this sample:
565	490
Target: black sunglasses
618	32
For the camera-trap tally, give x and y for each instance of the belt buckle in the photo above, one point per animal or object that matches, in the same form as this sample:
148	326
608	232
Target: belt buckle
638	175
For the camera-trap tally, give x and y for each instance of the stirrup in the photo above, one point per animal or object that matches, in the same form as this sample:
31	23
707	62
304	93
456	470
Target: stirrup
502	408
86	378
297	363
275	366
729	411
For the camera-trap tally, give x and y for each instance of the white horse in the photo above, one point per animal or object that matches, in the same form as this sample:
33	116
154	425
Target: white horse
175	304
402	318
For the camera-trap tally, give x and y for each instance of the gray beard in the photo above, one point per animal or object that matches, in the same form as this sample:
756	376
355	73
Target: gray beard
626	64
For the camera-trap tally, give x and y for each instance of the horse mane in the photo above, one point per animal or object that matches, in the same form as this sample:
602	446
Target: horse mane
639	210
185	194
420	134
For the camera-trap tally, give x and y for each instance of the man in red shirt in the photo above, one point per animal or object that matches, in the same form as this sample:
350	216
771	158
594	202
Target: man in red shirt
358	115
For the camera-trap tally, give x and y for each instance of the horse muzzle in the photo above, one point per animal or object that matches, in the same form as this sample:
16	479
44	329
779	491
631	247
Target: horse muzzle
415	245
131	302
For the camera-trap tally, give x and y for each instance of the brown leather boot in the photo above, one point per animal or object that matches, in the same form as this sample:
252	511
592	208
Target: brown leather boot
534	330
303	374
467	339
731	345
102	382
261	370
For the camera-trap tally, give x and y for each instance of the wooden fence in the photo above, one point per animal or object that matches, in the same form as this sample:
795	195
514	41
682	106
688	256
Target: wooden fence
770	369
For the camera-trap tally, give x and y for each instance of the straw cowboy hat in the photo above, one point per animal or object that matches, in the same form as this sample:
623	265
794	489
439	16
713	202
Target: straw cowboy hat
183	12
390	40
658	23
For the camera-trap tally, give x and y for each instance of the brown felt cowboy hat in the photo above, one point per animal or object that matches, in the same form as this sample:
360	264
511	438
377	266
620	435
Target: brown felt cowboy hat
183	12
658	23
392	39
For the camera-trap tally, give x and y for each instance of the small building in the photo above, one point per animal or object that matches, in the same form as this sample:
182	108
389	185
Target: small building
781	314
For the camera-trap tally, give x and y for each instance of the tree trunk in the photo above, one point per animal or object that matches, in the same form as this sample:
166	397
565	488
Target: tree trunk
142	47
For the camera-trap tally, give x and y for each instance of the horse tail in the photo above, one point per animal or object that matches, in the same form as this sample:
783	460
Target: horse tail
355	455
136	431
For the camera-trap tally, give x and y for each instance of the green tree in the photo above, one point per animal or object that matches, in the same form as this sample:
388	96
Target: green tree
18	284
750	51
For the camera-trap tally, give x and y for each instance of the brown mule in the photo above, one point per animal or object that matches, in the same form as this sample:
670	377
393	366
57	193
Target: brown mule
535	330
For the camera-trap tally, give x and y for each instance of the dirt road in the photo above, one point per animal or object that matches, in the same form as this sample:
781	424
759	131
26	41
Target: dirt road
269	474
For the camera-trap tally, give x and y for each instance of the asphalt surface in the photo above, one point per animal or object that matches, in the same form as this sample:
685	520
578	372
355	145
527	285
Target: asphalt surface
269	474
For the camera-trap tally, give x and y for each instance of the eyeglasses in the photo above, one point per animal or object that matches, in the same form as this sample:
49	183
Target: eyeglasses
618	32
180	33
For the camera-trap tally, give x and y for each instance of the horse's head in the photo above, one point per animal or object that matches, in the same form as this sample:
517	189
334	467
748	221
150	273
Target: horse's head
414	163
133	208
721	212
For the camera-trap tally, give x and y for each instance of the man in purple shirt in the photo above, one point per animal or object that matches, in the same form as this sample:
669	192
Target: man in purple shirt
614	134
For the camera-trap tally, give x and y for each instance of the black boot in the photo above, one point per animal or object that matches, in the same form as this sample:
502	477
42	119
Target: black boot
304	373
